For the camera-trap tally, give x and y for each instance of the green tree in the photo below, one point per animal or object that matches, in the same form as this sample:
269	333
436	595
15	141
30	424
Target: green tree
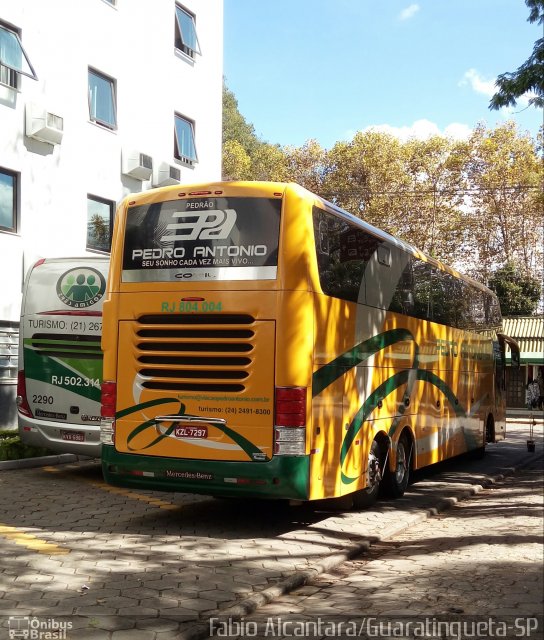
268	162
99	232
245	155
529	77
473	204
518	292
505	221
236	161
414	190
307	165
434	208
366	177
235	126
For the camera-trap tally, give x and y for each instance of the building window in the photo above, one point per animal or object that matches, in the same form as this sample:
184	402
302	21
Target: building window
8	200
184	148
186	38
102	100
13	58
99	223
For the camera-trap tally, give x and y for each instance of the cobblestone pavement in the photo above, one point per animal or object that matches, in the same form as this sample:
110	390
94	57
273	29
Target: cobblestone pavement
480	561
116	564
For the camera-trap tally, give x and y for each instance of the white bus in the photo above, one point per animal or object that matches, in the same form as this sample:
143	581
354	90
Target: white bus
60	361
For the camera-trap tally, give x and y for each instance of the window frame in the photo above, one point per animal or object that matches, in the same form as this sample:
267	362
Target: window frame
11	71
113	96
178	155
14	203
112	206
186	49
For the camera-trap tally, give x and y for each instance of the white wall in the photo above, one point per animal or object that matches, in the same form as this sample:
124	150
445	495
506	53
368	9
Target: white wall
134	44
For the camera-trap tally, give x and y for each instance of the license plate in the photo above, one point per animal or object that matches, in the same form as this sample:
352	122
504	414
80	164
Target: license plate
182	431
73	436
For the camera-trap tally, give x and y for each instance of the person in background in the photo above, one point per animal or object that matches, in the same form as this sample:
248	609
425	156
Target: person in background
540	382
532	394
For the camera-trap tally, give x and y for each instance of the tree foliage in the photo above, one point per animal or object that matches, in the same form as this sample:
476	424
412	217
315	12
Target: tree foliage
529	77
518	292
506	221
476	204
245	155
235	126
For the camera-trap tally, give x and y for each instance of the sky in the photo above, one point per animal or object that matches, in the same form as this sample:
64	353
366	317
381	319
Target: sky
324	70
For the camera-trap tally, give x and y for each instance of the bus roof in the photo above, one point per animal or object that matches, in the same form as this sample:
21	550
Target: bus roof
279	189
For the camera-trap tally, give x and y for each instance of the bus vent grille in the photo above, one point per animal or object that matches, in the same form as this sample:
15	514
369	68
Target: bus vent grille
195	352
61	345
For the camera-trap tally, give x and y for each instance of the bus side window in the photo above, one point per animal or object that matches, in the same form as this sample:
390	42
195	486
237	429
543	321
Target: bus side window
403	298
323	237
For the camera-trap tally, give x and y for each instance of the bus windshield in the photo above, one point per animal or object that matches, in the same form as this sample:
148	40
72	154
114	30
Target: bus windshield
202	239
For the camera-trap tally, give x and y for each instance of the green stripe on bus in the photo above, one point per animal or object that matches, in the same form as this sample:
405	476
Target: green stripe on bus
327	374
42	368
387	387
246	445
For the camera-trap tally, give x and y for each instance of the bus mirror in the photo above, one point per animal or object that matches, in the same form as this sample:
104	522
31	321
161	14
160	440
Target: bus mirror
514	349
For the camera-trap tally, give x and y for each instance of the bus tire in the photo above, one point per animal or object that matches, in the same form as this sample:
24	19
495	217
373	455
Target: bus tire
396	481
368	496
489	436
490	429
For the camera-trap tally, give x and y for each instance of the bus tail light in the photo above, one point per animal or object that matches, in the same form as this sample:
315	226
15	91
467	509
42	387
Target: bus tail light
290	421
107	412
22	400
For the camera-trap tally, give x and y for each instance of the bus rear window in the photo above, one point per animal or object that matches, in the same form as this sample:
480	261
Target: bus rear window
202	239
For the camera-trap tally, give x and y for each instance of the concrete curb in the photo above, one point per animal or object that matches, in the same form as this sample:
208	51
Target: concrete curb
300	578
28	463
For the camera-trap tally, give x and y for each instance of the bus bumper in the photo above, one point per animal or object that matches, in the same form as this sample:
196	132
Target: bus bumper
283	477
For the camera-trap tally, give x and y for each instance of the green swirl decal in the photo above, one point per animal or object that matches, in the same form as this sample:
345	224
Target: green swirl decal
246	445
361	352
341	365
368	407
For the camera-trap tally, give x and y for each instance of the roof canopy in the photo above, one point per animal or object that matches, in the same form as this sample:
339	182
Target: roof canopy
528	332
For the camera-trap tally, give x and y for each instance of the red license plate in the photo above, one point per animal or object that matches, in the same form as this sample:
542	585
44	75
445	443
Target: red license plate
73	436
190	432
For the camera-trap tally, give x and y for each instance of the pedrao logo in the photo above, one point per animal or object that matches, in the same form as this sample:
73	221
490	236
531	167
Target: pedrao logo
81	287
215	224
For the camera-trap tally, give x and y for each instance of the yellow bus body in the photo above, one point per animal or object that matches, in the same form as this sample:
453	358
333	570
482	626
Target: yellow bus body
215	351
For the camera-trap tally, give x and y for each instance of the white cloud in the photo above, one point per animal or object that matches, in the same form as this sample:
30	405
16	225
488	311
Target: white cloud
478	83
409	12
424	129
487	88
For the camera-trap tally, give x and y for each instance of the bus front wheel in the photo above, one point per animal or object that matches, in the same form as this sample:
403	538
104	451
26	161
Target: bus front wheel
397	480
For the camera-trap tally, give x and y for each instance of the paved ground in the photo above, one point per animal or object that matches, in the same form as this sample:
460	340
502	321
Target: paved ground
113	564
480	563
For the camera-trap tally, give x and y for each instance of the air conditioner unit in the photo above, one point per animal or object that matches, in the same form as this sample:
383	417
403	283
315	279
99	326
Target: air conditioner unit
43	125
137	165
166	174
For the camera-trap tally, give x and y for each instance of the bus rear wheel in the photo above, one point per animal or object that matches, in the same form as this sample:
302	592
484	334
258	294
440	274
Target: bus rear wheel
368	496
398	479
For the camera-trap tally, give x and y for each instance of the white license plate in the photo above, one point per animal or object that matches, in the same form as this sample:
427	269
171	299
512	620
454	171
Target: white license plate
73	436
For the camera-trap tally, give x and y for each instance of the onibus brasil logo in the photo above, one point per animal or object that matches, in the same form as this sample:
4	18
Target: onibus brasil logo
81	287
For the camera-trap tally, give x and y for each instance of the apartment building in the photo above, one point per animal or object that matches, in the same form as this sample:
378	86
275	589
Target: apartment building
98	99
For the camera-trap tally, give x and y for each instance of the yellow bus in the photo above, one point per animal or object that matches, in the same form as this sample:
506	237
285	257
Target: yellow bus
259	341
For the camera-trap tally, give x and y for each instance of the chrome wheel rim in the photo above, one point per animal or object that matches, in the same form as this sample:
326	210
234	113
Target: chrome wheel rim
400	470
373	470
